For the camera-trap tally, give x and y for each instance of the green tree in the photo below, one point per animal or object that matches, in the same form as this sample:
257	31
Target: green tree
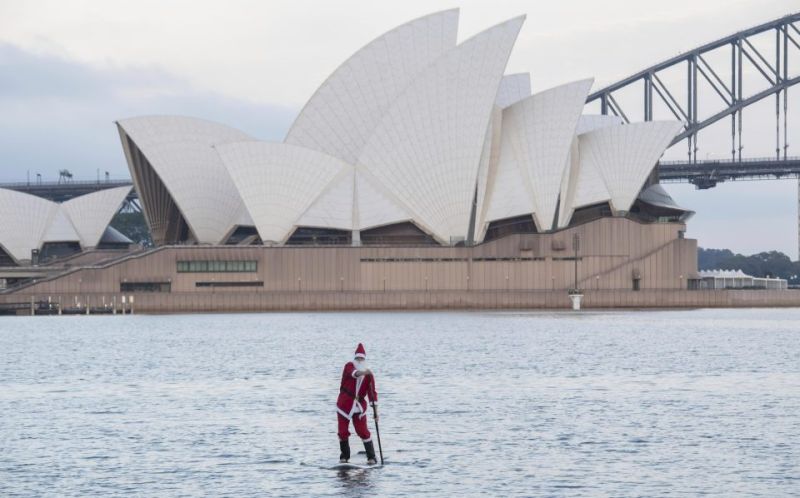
764	264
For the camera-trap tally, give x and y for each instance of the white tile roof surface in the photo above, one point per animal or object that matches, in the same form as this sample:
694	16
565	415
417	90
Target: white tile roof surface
27	221
412	127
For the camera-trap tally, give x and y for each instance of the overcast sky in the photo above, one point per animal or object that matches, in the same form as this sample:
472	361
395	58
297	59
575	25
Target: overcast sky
68	69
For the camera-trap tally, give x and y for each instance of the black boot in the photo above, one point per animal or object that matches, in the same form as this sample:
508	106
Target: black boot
370	453
344	451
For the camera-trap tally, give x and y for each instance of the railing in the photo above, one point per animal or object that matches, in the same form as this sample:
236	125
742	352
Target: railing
744	161
74	183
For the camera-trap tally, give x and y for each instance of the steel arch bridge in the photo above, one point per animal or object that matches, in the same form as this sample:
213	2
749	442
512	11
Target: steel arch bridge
730	89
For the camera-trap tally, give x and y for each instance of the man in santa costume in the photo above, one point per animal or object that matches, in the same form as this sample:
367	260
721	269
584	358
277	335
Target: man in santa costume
358	384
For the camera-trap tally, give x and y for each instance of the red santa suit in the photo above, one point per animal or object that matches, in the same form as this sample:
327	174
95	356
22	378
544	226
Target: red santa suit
352	401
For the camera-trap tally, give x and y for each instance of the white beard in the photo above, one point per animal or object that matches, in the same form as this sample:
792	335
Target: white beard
360	365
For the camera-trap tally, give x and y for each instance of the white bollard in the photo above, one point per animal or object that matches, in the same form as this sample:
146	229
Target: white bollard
576	301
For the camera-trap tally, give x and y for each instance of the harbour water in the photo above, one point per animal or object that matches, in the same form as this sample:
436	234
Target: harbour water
633	403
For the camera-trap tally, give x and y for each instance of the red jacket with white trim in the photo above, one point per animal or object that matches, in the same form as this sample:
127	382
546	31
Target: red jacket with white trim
353	388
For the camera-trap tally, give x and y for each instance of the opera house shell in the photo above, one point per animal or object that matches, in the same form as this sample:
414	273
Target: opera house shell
414	139
32	225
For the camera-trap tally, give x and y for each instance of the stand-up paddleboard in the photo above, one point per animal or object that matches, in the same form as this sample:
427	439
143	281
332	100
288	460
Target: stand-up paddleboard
354	466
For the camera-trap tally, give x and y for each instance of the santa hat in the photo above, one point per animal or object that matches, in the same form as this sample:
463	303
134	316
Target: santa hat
360	352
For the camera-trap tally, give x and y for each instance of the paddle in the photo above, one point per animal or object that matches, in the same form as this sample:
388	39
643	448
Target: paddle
374	413
377	432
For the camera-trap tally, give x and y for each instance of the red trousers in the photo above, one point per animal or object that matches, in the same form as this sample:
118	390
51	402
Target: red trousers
360	425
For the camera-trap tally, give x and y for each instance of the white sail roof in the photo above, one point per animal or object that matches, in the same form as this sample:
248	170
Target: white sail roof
411	128
353	202
28	221
427	149
179	149
487	170
341	115
591	122
375	206
59	227
278	182
585	185
589	185
334	206
508	191
625	155
569	181
113	236
540	130
91	213
513	88
24	219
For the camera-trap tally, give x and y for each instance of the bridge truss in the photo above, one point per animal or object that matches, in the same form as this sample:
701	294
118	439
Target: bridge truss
728	88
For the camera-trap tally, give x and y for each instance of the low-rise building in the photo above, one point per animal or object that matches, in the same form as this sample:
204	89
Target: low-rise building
737	279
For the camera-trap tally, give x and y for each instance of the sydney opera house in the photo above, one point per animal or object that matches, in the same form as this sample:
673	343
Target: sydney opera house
418	165
414	138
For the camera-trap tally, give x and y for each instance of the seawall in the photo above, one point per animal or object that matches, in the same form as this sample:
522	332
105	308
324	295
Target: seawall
178	302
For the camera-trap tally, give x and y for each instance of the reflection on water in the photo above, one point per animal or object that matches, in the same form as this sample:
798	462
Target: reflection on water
505	403
355	482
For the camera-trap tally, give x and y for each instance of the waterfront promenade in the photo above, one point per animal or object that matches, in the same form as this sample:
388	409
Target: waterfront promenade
218	302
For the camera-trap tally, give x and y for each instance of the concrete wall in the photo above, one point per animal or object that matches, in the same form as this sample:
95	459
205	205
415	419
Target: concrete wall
518	271
612	251
420	300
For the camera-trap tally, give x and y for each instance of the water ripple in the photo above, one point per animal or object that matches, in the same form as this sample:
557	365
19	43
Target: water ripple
472	404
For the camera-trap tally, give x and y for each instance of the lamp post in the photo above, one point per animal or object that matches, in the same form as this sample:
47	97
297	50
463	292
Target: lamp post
574	294
576	242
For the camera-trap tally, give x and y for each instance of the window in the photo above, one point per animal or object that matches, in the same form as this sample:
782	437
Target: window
198	266
523	258
202	266
145	287
408	260
250	283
